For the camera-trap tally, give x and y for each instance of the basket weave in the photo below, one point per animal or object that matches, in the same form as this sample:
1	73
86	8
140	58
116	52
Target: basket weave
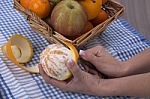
113	8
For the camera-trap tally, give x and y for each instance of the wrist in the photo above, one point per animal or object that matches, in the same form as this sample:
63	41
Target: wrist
121	70
126	68
107	87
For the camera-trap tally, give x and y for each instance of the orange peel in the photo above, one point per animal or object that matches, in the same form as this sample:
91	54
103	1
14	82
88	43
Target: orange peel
8	52
10	55
73	50
24	46
75	58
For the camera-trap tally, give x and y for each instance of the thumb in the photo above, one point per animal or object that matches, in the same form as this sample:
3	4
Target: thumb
88	56
74	68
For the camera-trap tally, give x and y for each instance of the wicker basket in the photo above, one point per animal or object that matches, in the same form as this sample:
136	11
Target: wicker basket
113	8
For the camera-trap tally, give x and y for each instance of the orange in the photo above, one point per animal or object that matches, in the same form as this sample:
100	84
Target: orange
92	7
88	27
102	16
25	3
73	50
104	1
41	8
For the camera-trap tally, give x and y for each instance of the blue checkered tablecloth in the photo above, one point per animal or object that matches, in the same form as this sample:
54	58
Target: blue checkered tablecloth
121	40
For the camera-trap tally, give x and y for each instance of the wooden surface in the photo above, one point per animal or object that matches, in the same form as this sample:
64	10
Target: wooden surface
137	12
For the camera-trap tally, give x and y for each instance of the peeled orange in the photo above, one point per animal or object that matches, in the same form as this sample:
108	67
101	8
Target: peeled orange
54	60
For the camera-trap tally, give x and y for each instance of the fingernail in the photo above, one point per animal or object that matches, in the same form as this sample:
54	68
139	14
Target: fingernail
70	62
39	65
82	52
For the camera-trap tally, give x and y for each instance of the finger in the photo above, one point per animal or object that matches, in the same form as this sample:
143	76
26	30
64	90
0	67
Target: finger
41	69
74	68
88	56
60	84
91	54
90	70
86	68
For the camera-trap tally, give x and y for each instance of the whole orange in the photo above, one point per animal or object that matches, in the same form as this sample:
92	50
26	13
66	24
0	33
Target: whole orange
40	7
25	3
92	7
102	16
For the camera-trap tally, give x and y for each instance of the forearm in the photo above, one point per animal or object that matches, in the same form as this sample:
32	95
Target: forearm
136	85
140	63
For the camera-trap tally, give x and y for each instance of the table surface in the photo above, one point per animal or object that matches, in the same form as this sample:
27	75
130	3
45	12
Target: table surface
120	39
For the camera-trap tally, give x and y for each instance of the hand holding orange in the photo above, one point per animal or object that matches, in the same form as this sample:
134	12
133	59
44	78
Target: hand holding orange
54	60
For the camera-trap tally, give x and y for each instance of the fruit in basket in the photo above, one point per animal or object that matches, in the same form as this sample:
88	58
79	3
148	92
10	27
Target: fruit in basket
88	27
25	3
48	20
68	18
21	49
92	7
102	16
41	8
54	60
54	2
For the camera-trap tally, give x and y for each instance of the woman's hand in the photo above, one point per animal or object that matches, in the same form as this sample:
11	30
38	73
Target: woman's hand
103	61
81	82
